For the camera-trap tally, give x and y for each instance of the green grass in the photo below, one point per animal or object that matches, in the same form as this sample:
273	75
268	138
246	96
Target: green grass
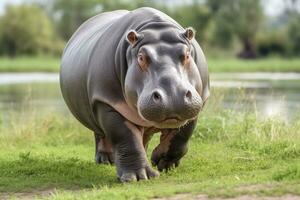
29	64
258	65
51	64
229	152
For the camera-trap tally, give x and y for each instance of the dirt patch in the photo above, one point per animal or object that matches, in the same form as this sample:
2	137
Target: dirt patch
27	195
188	196
244	197
251	188
243	190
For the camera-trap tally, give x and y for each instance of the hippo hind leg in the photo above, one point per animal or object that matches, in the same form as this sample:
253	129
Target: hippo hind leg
103	151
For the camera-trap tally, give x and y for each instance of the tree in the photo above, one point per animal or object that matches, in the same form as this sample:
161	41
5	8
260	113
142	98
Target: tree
69	15
196	15
293	28
240	18
294	35
26	29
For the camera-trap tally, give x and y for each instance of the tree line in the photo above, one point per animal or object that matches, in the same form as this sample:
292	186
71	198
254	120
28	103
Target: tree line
224	27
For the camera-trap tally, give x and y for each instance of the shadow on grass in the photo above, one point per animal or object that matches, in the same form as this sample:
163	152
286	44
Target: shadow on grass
29	173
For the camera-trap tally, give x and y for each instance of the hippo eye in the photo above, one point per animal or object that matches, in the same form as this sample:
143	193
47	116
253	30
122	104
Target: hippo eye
142	61
186	58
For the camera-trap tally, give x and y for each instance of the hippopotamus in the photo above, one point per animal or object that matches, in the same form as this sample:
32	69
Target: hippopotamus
126	75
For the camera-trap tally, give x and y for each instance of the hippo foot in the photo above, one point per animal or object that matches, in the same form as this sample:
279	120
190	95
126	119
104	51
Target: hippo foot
137	175
164	163
104	158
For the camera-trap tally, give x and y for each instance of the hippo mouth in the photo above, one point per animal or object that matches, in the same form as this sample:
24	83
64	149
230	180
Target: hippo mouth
171	120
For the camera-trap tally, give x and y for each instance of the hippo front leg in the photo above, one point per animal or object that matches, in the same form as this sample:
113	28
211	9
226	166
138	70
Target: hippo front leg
126	139
172	147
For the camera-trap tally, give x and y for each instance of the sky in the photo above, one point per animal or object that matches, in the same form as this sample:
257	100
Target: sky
271	7
4	2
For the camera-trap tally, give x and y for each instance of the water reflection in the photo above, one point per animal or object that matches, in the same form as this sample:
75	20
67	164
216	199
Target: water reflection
256	76
271	94
275	108
21	78
26	100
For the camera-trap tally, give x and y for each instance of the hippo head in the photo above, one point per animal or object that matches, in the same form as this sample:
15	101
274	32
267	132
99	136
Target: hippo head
163	83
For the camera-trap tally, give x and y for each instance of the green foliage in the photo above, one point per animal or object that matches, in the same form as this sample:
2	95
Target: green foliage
223	27
195	15
294	34
239	18
272	43
26	29
74	13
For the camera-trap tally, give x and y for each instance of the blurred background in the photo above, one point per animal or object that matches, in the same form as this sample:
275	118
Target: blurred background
252	48
235	28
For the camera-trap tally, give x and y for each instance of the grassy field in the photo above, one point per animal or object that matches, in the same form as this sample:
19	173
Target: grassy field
29	64
230	154
263	65
50	64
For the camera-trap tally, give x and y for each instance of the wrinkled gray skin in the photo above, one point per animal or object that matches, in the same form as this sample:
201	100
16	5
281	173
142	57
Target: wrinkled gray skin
107	89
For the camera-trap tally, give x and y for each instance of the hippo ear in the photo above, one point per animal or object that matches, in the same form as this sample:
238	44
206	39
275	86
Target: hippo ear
189	33
133	37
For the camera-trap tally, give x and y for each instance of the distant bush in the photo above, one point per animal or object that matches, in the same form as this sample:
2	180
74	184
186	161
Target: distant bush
26	29
284	41
272	42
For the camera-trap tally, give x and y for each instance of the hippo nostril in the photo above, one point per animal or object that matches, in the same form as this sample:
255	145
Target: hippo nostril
156	97
188	94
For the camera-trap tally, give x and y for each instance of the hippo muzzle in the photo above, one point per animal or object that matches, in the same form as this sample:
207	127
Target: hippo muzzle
171	105
163	81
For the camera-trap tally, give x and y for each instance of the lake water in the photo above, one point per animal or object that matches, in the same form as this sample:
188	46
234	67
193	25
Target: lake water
271	93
